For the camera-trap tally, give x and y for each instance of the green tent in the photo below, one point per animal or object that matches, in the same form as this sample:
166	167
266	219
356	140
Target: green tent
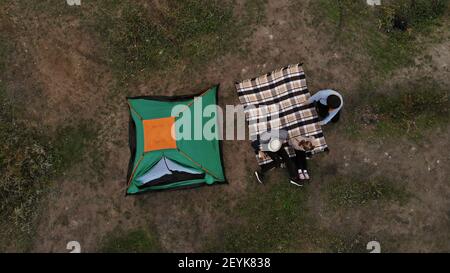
166	150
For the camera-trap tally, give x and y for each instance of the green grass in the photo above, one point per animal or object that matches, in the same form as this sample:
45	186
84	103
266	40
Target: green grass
134	241
353	243
410	109
266	219
71	143
30	159
276	217
158	36
25	164
419	15
55	10
5	49
346	242
345	192
255	12
142	39
395	48
371	31
423	102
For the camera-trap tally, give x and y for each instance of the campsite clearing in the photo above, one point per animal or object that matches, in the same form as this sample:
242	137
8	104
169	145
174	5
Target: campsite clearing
65	72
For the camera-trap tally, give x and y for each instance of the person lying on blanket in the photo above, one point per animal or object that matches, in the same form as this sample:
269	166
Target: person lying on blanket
303	147
272	144
328	104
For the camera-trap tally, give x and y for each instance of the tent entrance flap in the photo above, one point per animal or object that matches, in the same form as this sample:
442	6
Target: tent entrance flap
168	170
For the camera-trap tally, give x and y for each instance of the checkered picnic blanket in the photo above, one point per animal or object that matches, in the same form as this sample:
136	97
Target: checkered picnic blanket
279	100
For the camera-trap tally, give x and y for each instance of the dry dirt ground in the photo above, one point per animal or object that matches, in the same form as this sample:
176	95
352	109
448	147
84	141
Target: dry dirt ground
60	57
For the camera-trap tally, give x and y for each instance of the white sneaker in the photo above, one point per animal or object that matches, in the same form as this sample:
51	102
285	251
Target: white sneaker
295	183
258	177
300	175
305	172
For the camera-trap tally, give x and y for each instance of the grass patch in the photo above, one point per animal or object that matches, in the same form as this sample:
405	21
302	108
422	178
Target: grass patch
135	241
276	217
55	11
255	12
411	15
26	164
71	142
413	110
178	32
266	219
388	35
29	159
354	243
346	192
408	110
5	50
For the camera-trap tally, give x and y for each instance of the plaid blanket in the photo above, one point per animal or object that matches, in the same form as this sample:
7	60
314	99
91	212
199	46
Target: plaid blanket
278	100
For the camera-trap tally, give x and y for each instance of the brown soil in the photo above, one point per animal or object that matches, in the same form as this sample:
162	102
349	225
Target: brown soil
72	84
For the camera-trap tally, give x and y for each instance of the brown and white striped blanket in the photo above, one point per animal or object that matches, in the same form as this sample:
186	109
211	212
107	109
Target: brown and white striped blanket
279	100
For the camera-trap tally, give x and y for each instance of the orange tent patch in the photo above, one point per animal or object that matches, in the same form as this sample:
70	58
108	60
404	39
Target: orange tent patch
158	134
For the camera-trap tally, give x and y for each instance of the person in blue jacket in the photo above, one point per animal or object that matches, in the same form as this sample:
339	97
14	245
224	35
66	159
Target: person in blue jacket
328	104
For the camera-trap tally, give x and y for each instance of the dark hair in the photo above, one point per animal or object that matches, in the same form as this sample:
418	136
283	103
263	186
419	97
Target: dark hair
333	101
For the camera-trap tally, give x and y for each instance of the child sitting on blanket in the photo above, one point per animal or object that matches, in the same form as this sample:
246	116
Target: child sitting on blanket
303	147
272	144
